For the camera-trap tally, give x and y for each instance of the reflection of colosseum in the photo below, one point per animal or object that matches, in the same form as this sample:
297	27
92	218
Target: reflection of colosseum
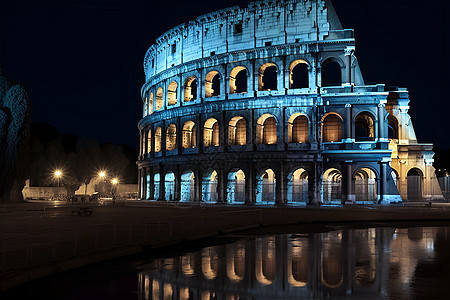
267	104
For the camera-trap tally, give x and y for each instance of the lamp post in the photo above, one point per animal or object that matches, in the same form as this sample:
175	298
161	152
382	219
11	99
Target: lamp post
57	174
115	182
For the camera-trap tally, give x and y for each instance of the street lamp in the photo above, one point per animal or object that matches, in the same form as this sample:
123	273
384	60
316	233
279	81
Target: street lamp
57	174
115	182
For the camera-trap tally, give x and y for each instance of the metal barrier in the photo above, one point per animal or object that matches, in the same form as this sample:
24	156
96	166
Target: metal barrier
37	249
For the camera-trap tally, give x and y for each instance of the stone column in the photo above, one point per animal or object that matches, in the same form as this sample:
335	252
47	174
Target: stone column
162	183
177	187
221	187
383	182
382	136
349	53
151	185
314	184
281	187
348	137
250	188
140	195
348	195
144	183
145	144
198	186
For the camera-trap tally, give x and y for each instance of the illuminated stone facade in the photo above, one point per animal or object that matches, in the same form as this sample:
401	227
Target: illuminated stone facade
267	105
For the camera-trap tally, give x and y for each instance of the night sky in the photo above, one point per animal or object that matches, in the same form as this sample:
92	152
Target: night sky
81	60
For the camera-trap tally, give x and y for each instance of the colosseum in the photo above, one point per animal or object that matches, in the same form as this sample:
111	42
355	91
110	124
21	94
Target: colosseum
267	105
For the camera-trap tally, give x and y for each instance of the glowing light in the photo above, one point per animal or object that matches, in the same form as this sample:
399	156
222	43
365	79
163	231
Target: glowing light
115	181
58	173
102	174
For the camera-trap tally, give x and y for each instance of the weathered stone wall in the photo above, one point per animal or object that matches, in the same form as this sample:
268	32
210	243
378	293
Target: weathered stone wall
14	135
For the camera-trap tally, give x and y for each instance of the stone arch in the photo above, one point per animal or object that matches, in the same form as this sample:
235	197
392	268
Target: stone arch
395	176
159	98
211	133
190	89
414	181
298	128
265	187
169	186
157	183
189	135
209	186
171	137
299	74
268	77
187	186
365	180
172	93
158	137
297	187
392	127
237	131
150	103
149	141
188	265
331	128
364	127
236	186
266	260
239	80
332	186
266	130
212	84
332	72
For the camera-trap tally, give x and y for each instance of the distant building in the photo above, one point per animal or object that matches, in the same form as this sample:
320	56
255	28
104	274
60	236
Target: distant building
267	105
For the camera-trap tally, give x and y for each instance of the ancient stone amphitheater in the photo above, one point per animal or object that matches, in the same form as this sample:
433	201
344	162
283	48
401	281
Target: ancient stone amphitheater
267	105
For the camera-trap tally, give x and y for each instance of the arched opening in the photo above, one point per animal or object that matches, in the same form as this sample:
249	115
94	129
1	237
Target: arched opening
266	130
394	175
298	129
187	186
267	79
159	98
190	89
298	273
414	183
332	129
332	188
364	128
332	260
238	80
188	265
299	75
392	127
169	185
156	182
158	133
236	187
265	188
189	135
209	187
150	103
298	187
145	107
171	137
331	73
172	96
366	185
212	84
266	264
211	136
149	141
236	262
237	131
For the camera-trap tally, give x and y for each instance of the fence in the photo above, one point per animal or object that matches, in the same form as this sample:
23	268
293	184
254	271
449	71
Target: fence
37	249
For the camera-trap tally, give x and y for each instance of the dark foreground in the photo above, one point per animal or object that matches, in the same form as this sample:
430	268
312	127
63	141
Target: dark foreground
41	243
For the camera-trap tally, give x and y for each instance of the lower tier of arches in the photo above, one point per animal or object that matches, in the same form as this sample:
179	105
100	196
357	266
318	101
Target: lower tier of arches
275	181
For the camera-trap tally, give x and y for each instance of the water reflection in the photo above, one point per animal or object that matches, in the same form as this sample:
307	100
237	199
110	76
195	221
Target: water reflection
373	263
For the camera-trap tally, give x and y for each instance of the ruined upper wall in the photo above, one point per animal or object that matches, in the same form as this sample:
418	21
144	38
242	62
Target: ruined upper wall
264	23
